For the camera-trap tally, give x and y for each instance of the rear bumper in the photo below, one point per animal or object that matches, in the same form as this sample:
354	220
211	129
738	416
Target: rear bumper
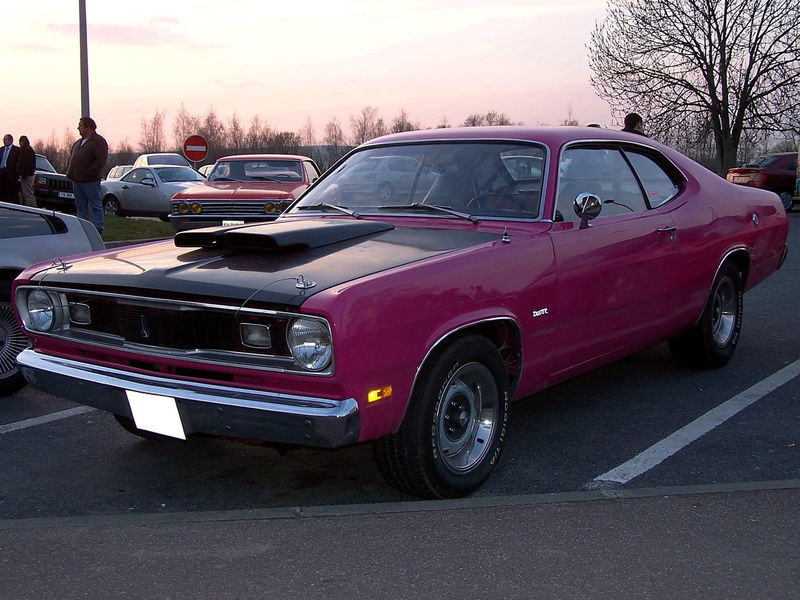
203	408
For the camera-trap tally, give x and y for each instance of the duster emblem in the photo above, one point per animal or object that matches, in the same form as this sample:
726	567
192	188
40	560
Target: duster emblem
302	284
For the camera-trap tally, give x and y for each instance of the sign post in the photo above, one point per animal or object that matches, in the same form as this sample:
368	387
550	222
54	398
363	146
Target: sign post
195	148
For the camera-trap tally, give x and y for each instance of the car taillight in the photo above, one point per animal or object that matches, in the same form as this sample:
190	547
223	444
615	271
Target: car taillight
759	178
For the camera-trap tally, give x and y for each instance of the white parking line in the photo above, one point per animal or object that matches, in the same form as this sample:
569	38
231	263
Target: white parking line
70	412
671	444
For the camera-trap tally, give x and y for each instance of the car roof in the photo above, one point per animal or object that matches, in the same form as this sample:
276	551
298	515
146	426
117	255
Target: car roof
264	157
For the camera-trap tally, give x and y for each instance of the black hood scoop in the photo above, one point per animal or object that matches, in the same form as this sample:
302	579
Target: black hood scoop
280	235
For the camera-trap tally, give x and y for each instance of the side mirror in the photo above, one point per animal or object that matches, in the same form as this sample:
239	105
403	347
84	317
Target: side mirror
587	207
148	181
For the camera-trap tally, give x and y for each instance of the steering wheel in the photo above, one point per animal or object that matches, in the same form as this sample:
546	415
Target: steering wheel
496	200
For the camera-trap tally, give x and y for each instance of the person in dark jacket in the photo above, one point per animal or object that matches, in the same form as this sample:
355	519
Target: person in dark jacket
634	124
26	167
9	157
86	161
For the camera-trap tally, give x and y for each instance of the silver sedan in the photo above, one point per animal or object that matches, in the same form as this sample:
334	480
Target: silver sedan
146	191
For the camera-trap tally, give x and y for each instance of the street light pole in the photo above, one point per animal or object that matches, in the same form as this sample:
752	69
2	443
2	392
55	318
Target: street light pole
84	59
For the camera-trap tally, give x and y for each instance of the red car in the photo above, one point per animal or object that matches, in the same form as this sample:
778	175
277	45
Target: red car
244	189
413	321
774	172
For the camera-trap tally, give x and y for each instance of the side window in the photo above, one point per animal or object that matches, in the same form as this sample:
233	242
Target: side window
659	186
311	171
137	175
17	224
599	171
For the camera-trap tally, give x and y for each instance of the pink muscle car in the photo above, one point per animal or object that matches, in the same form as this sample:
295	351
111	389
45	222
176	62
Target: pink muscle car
509	259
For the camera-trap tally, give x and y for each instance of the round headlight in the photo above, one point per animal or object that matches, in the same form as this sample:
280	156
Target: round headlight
183	208
197	208
310	343
269	208
42	310
283	206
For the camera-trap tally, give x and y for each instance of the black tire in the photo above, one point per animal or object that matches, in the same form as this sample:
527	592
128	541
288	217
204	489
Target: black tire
455	424
12	342
787	198
385	192
129	426
712	341
111	206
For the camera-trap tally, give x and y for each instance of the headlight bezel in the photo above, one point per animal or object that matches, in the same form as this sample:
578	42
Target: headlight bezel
35	303
301	333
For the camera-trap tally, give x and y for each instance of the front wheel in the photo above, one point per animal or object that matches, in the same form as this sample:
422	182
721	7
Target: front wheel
455	424
111	206
12	342
713	339
787	199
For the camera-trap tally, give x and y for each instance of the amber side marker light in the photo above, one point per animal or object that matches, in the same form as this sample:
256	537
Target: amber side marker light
379	394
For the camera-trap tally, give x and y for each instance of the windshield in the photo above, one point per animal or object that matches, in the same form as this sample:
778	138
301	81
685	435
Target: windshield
485	180
42	164
257	170
763	161
171	174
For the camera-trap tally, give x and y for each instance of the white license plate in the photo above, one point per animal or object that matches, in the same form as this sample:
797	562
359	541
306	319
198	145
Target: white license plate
741	178
228	222
66	195
158	414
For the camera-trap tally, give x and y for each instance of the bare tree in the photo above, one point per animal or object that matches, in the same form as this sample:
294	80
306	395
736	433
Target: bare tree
734	64
235	136
257	135
367	125
336	144
402	123
152	134
570	120
490	118
213	130
186	124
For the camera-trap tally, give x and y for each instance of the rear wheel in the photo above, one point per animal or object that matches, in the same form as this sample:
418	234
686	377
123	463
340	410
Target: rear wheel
713	339
12	342
455	425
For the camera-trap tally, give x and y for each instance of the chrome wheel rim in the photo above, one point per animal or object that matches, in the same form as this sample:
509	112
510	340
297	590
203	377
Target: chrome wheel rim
12	341
466	418
724	312
111	207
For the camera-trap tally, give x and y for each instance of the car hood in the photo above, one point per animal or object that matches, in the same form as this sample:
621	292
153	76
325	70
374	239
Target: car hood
239	190
282	262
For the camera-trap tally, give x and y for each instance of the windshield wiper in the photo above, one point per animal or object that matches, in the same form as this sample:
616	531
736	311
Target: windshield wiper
318	205
264	178
222	179
432	207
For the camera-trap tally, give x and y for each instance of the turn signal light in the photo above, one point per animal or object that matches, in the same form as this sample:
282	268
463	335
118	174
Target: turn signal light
379	394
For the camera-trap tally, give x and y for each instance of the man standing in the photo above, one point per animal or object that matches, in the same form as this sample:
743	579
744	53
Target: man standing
26	169
634	124
9	156
86	161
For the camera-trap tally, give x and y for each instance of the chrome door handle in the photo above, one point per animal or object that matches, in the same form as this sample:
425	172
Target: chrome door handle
670	229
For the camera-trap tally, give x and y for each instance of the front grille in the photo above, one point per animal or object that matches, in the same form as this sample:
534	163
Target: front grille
175	326
229	207
64	185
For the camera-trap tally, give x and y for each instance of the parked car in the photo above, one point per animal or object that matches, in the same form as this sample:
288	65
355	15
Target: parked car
387	177
117	172
411	323
243	189
146	191
27	236
50	188
161	158
774	172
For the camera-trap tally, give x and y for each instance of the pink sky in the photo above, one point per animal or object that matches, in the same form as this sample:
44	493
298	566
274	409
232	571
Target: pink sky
294	61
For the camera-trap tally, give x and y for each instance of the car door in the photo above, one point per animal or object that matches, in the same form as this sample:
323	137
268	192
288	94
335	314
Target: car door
618	276
142	191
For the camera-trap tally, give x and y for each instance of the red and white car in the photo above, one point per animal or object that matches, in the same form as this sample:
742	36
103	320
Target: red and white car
243	189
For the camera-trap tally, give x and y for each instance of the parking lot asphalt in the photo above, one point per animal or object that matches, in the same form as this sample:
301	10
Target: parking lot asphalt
720	541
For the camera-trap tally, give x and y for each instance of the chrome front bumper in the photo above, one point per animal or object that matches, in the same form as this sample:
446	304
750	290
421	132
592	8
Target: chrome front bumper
206	409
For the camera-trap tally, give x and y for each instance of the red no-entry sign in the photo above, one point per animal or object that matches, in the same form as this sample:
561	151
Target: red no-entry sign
195	148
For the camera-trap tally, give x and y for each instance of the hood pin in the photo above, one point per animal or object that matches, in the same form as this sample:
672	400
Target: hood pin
302	284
